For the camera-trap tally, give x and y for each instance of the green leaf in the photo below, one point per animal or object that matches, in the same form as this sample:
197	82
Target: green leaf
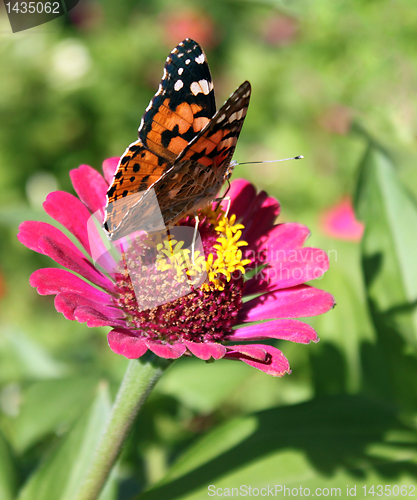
49	406
344	330
186	377
328	442
14	215
60	476
389	244
390	272
30	358
7	471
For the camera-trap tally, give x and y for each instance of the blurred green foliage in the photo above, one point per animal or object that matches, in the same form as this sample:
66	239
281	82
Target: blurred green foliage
329	78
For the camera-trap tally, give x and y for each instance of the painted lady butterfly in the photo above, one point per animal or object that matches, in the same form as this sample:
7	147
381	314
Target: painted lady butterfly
184	149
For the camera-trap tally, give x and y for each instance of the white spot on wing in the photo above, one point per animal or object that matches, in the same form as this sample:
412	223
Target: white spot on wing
204	86
188	61
200	59
180	71
178	85
195	88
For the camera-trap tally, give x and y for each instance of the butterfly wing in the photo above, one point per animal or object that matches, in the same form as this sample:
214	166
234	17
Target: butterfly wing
198	172
215	145
183	104
138	169
203	167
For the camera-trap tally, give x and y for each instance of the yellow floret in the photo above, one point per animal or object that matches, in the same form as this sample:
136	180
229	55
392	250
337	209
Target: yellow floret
227	260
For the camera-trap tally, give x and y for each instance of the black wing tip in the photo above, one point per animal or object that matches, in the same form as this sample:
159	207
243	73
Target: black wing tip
188	41
243	88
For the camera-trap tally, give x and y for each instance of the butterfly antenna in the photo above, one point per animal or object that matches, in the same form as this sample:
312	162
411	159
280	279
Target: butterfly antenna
300	157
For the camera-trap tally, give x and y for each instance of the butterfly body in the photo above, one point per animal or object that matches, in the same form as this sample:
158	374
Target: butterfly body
184	151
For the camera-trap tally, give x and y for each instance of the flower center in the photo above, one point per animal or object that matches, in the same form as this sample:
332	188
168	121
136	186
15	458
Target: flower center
170	292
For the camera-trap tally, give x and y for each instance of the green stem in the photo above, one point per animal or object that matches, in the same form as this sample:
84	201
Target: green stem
141	376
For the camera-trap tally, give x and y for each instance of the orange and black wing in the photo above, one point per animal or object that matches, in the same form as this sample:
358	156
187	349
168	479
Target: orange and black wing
215	145
138	169
183	104
181	108
203	167
195	177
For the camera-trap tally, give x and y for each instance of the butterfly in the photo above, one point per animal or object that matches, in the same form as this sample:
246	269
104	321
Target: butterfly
183	154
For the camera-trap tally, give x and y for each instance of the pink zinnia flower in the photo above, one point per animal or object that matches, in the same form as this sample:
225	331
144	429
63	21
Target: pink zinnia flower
340	222
214	320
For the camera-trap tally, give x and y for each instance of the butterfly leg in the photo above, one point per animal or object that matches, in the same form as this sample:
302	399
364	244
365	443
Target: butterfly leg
197	221
224	195
225	198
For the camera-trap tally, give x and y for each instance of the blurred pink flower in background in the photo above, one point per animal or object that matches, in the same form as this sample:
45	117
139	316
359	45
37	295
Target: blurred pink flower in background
337	119
280	30
87	15
340	222
198	25
2	286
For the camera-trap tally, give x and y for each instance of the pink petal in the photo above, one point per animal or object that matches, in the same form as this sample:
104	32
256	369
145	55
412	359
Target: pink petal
206	350
71	213
109	168
51	280
295	302
259	218
252	351
340	222
241	193
167	351
289	268
67	302
287	236
100	248
30	233
90	187
276	364
127	344
66	257
285	329
93	318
